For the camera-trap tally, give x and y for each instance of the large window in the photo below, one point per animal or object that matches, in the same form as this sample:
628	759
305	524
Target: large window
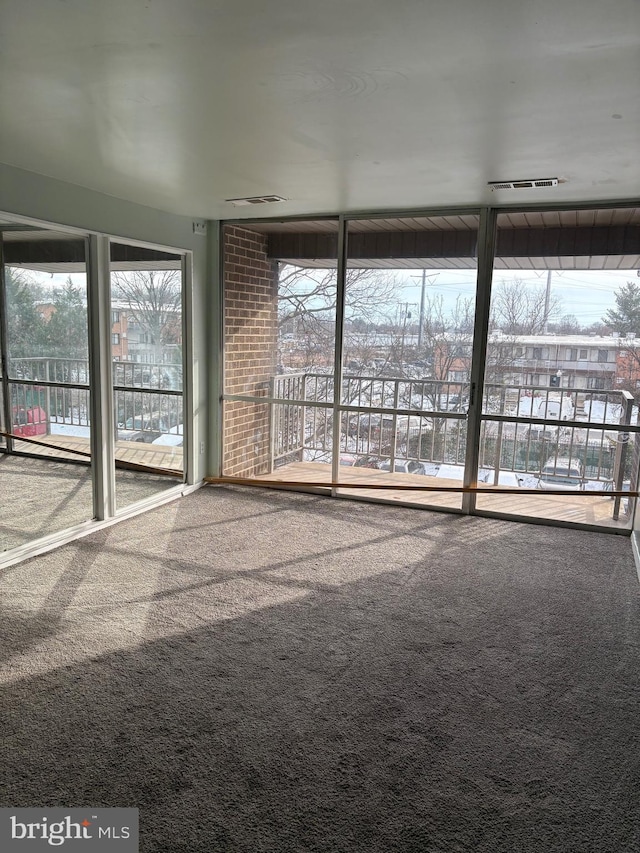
46	467
395	404
363	373
408	332
565	427
146	298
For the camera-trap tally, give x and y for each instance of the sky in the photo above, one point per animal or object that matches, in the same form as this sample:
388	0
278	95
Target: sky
587	294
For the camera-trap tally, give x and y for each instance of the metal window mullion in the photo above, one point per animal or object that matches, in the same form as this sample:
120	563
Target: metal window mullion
187	393
45	383
101	395
486	251
4	358
541	422
164	392
216	353
339	349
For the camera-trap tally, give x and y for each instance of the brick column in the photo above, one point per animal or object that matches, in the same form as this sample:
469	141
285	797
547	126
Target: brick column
251	339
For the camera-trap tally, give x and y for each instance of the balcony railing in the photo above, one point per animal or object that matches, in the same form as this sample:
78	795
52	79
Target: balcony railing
51	395
424	420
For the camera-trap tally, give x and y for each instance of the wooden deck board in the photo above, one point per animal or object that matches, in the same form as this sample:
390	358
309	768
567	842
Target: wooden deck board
154	455
583	508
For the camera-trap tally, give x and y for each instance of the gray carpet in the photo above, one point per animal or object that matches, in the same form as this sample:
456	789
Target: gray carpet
264	671
42	496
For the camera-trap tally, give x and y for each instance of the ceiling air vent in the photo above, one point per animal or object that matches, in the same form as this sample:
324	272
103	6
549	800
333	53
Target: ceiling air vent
258	199
524	185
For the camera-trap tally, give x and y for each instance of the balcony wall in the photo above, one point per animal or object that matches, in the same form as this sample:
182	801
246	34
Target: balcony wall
251	333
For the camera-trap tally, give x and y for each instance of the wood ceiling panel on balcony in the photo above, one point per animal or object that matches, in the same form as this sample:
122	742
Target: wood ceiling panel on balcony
587	218
545	247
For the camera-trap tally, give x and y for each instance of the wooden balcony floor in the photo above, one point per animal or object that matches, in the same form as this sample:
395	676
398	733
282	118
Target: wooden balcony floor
582	509
153	455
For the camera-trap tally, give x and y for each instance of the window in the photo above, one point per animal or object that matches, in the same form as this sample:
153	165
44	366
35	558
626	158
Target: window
115	316
458	376
537	352
595	383
603	356
583	354
572	354
115	339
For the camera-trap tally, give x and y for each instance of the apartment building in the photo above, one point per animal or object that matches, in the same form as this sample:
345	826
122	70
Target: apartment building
562	361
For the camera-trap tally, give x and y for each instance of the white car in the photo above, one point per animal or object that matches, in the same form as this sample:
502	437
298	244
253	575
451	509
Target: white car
562	473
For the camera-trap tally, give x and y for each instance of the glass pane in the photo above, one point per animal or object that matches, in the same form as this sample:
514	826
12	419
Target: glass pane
409	314
548	460
297	447
280	296
48	387
561	353
147	370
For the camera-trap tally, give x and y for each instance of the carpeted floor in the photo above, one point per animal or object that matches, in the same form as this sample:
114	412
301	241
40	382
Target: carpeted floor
42	496
267	671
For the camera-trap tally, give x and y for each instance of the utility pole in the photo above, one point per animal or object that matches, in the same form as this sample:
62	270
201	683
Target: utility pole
421	320
407	314
547	301
423	287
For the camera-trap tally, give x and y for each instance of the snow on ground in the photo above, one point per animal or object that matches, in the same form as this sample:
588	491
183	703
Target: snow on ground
70	429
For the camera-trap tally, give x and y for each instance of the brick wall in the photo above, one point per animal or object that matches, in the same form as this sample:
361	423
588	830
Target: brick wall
251	333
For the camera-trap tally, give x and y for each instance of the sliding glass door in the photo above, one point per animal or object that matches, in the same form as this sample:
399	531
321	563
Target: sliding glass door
358	359
146	338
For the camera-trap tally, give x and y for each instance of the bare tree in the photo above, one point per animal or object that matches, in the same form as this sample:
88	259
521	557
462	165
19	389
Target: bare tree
517	309
307	297
568	324
153	302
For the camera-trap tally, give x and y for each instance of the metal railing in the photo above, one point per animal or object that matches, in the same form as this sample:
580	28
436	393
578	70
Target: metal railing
49	394
75	371
524	427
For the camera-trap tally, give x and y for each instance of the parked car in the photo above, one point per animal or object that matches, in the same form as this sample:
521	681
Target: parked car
348	460
146	428
562	473
403	466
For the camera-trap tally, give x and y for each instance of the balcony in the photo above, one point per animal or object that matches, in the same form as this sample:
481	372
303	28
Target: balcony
48	404
392	422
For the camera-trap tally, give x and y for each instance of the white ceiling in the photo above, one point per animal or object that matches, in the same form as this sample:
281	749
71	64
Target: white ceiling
337	105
